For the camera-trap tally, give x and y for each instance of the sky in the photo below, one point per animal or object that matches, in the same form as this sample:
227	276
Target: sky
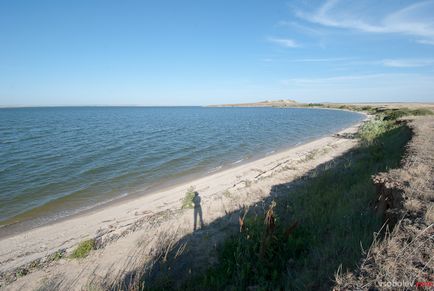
215	51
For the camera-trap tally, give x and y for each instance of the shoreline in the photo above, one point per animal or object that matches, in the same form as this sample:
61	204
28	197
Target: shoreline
124	221
15	228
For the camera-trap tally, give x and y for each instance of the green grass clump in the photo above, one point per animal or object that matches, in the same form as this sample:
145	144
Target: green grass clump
332	214
374	128
422	112
384	121
57	255
394	114
187	202
83	249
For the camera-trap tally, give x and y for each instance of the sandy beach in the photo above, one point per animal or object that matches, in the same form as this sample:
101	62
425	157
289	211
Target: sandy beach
131	233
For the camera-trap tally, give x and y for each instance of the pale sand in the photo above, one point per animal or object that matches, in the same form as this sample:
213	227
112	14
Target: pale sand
133	232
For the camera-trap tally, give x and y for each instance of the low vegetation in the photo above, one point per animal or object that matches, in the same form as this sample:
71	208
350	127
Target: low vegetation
394	114
227	193
57	255
309	233
385	120
387	112
187	202
315	105
374	128
83	249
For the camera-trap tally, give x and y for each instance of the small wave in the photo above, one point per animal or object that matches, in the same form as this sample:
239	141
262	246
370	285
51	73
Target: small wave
237	162
107	201
214	169
69	212
269	153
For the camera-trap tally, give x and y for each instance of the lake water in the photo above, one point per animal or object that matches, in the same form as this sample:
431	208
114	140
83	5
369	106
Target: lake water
55	162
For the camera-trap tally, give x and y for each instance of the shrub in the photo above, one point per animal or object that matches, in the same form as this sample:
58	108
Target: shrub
422	111
373	129
187	202
83	249
394	114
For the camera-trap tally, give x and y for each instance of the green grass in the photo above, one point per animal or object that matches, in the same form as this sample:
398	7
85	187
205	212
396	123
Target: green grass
374	128
83	249
394	114
187	202
57	255
385	120
388	114
335	217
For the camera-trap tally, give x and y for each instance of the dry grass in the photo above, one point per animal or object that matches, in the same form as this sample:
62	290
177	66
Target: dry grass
400	258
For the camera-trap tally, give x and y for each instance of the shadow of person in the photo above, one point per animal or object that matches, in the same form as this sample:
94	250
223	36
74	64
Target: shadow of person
197	210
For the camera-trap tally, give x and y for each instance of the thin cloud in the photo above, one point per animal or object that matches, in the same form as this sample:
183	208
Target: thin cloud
425	41
408	63
321	60
301	27
307	60
414	20
389	87
334	79
285	42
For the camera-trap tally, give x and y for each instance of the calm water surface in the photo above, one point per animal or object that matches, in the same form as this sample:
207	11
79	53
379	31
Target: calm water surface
56	162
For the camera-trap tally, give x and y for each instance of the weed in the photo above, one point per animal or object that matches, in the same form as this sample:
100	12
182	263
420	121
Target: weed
57	255
374	128
394	114
310	156
187	202
227	193
83	249
21	272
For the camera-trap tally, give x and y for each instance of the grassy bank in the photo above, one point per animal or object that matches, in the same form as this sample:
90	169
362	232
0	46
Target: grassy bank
390	113
309	233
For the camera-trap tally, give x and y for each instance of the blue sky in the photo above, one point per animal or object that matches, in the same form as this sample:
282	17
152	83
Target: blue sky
208	52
